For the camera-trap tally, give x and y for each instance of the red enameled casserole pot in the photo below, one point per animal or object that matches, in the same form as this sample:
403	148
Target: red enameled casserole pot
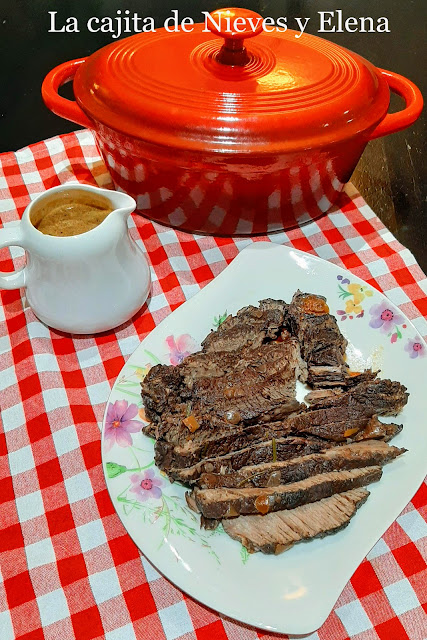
212	134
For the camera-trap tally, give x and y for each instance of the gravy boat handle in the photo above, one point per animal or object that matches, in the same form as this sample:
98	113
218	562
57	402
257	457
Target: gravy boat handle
12	236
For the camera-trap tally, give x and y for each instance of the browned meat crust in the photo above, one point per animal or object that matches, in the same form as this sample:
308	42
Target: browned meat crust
351	456
227	419
351	414
322	343
336	416
249	327
259	390
276	532
229	503
285	448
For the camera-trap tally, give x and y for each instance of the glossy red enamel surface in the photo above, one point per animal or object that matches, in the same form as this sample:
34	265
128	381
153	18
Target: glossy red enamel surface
228	195
231	131
169	88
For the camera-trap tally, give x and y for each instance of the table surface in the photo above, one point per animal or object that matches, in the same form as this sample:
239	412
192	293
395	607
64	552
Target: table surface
68	569
66	563
392	172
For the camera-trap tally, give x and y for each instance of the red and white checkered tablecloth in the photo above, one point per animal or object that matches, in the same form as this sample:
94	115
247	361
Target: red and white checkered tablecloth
67	567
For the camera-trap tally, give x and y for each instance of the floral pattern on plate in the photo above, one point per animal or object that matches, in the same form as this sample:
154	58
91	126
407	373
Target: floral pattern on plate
180	347
415	348
119	424
219	319
145	493
382	316
146	497
387	321
353	294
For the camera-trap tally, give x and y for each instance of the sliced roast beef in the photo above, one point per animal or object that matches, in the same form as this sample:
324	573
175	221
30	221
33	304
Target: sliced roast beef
213	442
197	421
260	387
322	343
280	449
277	531
351	414
227	419
337	417
248	328
356	377
378	430
165	386
317	396
392	397
229	503
213	364
160	389
322	395
268	474
167	389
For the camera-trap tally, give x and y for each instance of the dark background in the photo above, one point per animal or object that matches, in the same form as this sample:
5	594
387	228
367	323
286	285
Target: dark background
392	173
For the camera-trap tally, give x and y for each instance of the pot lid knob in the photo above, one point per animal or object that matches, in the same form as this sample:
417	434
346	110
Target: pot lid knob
234	25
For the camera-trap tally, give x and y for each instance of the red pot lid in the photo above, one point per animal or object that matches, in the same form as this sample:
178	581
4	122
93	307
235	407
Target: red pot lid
224	92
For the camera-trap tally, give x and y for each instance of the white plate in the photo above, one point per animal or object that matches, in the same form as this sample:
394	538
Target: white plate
293	592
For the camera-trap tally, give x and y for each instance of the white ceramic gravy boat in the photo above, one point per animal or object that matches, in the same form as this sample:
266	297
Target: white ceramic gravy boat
85	283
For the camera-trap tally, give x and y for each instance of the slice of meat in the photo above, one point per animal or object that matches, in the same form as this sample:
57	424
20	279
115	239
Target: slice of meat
317	396
248	328
322	343
379	430
218	441
160	389
260	387
337	417
285	449
166	386
278	531
356	377
213	364
229	503
351	456
167	389
327	375
321	395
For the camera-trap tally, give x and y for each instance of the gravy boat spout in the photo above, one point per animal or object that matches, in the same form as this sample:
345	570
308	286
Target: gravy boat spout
122	203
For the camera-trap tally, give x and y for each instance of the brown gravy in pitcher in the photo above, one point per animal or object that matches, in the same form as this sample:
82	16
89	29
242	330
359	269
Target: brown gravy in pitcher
70	213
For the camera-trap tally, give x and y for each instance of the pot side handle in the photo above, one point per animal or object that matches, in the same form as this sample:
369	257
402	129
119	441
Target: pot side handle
413	98
60	106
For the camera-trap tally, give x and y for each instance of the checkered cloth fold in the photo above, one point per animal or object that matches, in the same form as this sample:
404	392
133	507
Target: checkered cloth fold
68	568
